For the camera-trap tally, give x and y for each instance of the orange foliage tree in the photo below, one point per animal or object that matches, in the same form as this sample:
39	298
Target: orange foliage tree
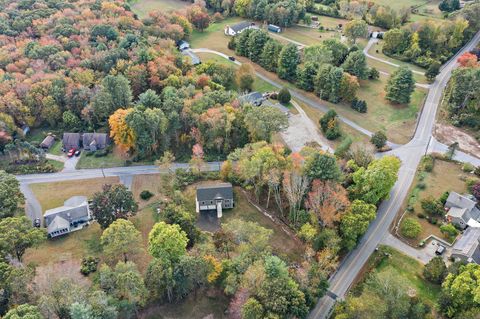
122	134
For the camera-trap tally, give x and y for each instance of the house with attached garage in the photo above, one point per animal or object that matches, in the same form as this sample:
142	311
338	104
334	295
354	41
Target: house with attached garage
239	28
72	216
467	248
215	197
89	141
462	210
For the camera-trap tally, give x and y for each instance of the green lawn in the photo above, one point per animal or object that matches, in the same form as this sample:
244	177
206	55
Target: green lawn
110	160
213	37
378	47
143	7
411	272
56	148
56	164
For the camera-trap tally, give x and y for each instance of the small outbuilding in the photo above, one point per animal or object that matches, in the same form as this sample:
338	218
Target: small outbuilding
183	45
47	142
215	197
274	28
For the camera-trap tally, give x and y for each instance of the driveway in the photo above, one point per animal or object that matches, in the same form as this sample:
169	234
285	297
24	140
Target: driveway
423	255
33	209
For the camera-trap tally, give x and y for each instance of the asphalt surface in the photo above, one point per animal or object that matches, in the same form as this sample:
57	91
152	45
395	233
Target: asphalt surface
410	154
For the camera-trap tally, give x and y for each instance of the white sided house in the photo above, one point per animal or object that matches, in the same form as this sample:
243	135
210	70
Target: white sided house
214	198
239	28
73	215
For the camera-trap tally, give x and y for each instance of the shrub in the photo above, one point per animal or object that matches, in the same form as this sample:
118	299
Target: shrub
410	228
89	153
467	167
443	198
449	231
89	265
421	215
101	153
329	125
435	270
379	139
359	105
343	147
421	185
373	74
146	195
284	96
432	206
307	232
427	163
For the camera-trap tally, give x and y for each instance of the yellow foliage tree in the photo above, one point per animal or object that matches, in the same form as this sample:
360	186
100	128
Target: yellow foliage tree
122	135
216	268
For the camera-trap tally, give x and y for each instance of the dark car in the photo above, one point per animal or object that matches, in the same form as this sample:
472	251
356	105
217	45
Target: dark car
77	153
440	250
231	58
37	222
71	152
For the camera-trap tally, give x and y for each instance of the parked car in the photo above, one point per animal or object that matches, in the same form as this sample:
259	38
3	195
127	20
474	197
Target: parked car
77	153
71	152
440	250
37	222
231	58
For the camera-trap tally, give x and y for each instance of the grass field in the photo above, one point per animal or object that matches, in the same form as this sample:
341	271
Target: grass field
408	269
378	47
143	7
446	176
51	195
213	37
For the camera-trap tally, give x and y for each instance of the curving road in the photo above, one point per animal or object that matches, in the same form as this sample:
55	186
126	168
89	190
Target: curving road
410	154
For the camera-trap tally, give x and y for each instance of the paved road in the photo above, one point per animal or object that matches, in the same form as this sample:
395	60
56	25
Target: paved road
367	48
410	154
437	147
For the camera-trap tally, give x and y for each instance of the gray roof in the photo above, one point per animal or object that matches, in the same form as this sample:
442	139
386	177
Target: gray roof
74	208
240	26
58	223
220	191
47	142
71	138
462	206
468	244
251	97
95	138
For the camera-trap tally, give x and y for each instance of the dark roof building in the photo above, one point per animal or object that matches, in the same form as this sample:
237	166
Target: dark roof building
467	248
71	140
274	28
255	98
94	141
47	142
214	197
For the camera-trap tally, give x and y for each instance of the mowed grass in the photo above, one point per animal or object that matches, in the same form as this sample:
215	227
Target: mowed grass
143	7
410	271
445	176
51	195
390	69
213	37
154	183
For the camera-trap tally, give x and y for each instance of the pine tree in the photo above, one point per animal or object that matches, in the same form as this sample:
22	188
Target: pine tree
400	86
287	62
356	64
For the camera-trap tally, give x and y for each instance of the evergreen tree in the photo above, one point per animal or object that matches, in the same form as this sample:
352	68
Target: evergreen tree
356	64
306	76
400	86
241	42
287	62
256	42
271	52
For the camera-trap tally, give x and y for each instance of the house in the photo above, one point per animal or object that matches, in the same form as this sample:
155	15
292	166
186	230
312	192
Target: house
274	28
254	98
214	197
376	35
47	142
94	141
72	216
183	45
239	28
71	140
462	210
467	248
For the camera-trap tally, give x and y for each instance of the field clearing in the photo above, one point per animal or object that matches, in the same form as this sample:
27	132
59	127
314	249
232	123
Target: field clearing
153	183
213	37
378	47
305	35
445	176
390	69
51	195
143	7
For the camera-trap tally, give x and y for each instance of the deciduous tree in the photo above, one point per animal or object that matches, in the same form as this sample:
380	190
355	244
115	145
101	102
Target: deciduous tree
10	195
167	242
400	86
17	234
121	240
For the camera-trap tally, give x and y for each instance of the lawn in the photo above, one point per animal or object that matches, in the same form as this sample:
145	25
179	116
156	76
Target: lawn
143	7
306	35
391	69
446	176
408	269
213	37
378	47
154	183
57	165
51	195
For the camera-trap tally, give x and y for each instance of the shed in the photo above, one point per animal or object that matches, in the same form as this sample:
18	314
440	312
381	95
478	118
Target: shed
183	45
255	98
47	142
274	28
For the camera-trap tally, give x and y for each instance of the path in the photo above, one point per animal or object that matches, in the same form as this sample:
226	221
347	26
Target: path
367	48
302	130
410	154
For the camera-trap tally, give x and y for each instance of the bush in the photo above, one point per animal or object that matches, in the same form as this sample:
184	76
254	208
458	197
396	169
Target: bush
343	147
432	206
443	198
307	232
435	270
146	195
421	215
373	74
379	139
421	185
101	153
88	153
284	96
410	228
449	231
359	105
467	167
427	163
89	265
329	125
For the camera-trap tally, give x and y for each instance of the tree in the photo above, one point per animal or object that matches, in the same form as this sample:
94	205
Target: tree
449	231
468	60
263	122
167	242
112	203
115	93
252	309
271	52
356	29
400	86
176	214
198	16
241	42
410	228
328	83
256	43
373	74
288	61
17	234
374	183
449	5
322	166
379	139
122	134
284	96
10	194
435	270
355	222
329	125
433	70
356	64
306	76
121	240
476	191
328	200
159	279
24	311
348	90
245	77
462	290
338	50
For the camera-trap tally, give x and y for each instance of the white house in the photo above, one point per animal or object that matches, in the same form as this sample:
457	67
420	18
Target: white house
239	28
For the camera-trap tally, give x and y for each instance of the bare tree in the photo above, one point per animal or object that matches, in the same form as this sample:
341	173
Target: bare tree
328	200
295	185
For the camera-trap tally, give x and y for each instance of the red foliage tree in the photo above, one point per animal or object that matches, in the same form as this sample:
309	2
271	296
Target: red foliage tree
468	60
